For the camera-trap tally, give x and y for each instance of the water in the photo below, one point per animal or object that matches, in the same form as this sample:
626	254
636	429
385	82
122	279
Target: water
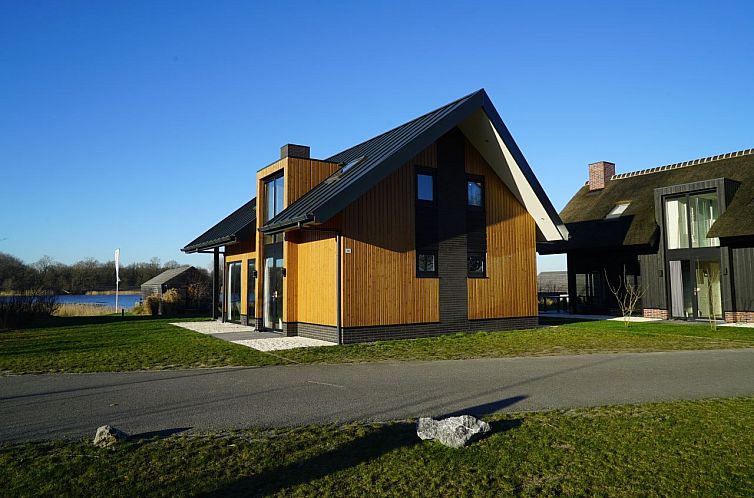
126	301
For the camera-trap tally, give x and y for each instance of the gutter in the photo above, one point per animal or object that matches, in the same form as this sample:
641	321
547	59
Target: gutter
338	271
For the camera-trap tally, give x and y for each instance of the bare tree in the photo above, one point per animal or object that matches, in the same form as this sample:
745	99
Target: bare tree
628	294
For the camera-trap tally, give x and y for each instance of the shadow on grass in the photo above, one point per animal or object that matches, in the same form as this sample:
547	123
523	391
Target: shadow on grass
377	442
556	320
148	436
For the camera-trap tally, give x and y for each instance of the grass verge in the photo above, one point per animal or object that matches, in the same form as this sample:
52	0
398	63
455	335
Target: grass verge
699	448
112	343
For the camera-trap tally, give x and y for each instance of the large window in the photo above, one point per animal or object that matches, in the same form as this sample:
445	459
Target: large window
689	218
251	286
274	196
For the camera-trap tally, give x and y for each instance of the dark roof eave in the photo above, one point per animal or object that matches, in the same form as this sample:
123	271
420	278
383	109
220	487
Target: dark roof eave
287	224
211	244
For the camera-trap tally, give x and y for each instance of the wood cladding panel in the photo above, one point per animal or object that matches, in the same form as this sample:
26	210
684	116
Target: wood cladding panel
380	286
510	288
311	283
302	175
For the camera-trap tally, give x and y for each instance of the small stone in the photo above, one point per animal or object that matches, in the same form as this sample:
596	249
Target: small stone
108	436
455	432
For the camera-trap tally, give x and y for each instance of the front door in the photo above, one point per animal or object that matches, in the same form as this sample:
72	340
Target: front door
695	288
273	286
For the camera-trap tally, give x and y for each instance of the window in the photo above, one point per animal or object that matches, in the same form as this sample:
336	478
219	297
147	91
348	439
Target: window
426	264
274	195
425	186
251	285
475	189
617	210
689	218
477	264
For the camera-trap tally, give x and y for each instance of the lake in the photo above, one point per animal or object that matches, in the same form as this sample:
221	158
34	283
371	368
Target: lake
126	301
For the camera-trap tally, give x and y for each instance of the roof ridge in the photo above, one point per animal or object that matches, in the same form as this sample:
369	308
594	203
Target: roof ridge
329	159
692	162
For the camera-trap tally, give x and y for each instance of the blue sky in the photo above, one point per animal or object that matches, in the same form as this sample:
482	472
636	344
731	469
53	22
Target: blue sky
140	124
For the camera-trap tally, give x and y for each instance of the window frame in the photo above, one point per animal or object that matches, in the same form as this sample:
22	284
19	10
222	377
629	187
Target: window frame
612	215
483	273
480	180
423	273
432	173
272	179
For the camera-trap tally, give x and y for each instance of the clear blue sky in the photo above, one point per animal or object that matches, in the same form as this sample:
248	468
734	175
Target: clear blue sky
140	124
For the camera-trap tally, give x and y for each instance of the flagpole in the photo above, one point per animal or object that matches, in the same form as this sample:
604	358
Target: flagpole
117	277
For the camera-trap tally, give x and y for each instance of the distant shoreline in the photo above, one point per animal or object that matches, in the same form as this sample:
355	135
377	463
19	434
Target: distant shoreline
87	293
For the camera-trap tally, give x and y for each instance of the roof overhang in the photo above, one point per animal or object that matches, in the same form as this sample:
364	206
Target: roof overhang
487	132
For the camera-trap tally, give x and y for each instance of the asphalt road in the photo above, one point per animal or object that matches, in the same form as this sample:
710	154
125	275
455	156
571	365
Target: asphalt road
74	405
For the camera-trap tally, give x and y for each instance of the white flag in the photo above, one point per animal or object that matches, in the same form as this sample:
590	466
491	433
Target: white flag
117	265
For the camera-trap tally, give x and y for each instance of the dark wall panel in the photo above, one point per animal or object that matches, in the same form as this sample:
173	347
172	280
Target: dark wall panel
653	280
743	277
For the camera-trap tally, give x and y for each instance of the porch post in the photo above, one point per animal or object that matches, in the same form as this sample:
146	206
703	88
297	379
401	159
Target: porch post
215	282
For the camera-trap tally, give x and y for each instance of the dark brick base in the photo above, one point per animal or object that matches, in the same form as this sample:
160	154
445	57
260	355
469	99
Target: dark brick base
409	331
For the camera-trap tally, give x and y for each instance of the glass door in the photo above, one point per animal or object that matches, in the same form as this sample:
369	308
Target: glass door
681	289
234	292
273	286
708	298
251	290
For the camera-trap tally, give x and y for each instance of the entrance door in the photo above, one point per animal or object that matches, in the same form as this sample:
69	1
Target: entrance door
273	286
234	292
695	289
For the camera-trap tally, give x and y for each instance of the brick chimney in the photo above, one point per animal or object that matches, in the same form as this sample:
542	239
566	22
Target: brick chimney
293	150
599	174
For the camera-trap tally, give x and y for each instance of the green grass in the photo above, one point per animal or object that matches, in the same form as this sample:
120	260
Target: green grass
699	448
96	344
112	343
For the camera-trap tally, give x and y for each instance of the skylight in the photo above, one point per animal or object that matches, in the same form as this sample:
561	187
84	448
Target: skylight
617	210
350	164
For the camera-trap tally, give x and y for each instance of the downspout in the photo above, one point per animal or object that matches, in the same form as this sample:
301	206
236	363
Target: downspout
338	271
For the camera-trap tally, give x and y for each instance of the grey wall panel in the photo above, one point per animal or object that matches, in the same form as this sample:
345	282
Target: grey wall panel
653	280
743	277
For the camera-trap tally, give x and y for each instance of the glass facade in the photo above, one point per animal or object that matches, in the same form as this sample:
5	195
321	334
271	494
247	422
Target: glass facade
234	292
274	194
689	218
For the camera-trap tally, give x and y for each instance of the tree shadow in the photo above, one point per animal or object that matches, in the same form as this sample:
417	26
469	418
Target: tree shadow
377	442
161	434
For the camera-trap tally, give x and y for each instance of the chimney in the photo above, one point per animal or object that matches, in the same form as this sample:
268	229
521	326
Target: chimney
293	150
599	174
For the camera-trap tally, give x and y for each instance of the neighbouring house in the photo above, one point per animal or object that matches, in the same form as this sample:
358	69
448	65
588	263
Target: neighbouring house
175	278
552	282
428	228
683	233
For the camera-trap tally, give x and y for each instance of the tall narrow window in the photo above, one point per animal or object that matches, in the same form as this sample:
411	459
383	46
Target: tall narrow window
476	228
427	223
274	194
676	223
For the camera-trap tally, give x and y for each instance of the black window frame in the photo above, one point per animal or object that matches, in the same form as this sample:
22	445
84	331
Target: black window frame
476	274
475	179
423	273
265	182
431	172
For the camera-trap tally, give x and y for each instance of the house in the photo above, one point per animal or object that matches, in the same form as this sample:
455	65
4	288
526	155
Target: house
428	228
174	278
552	282
683	233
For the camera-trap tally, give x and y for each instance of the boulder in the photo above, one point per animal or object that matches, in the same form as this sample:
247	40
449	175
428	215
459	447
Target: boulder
455	432
108	436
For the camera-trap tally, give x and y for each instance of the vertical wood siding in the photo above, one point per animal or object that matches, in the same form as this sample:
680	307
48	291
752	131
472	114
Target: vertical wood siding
510	288
311	278
380	286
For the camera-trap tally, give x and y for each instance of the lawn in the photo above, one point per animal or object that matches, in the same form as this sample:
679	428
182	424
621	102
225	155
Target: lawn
699	448
96	344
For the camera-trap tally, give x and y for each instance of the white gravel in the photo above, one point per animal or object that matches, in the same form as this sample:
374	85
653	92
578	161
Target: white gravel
277	344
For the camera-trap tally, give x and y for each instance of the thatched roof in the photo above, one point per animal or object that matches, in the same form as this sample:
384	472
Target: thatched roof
584	215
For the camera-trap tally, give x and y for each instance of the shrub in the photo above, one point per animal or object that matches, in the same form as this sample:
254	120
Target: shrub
15	311
171	302
152	304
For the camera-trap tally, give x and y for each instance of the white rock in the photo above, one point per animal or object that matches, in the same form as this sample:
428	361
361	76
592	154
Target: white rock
455	432
108	436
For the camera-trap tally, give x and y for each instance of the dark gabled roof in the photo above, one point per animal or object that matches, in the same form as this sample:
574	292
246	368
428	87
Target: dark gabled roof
236	227
585	213
168	275
383	154
552	281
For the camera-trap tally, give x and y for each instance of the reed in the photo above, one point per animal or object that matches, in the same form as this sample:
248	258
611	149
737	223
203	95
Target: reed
83	310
